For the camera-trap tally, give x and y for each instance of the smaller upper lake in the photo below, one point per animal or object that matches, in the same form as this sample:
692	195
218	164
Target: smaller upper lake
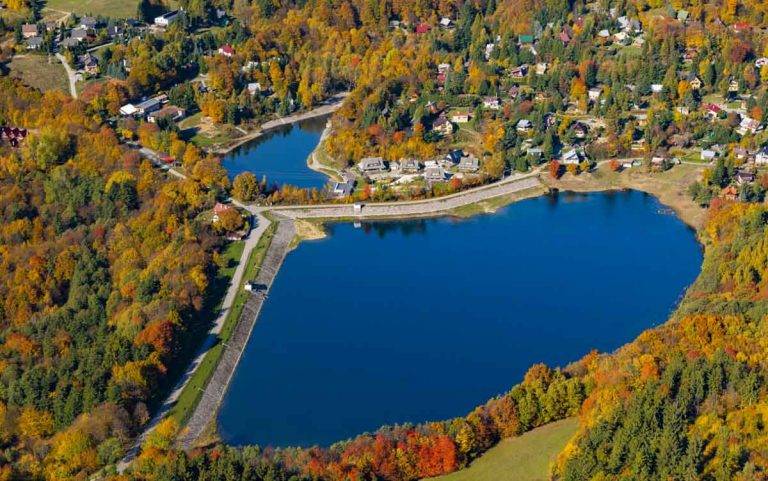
281	154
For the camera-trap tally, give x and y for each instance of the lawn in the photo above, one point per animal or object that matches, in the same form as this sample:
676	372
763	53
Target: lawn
106	8
39	72
190	396
523	458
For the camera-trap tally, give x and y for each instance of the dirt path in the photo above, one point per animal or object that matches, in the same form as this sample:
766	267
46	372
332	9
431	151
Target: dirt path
70	75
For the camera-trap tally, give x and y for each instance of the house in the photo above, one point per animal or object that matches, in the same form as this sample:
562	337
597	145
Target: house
254	88
394	24
343	189
658	162
423	28
695	82
733	87
29	30
34	43
434	173
684	110
744	177
594	94
761	62
488	50
220	209
623	22
372	165
519	72
170	112
166	19
89	23
541	68
713	111
748	125
149	106
620	37
730	193
565	37
226	50
409	166
740	153
454	157
491	103
682	16
128	110
657	88
513	92
571	157
762	156
79	34
460	117
90	63
469	163
69	42
446	22
524	126
604	33
708	155
442	125
580	130
535	152
114	31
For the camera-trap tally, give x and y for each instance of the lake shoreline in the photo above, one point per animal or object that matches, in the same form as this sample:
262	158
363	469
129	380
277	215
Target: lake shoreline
327	108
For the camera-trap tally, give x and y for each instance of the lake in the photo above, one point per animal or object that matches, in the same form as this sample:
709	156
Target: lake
423	320
281	154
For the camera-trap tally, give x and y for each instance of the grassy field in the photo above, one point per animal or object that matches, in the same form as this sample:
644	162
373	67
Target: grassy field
524	458
106	8
37	72
194	388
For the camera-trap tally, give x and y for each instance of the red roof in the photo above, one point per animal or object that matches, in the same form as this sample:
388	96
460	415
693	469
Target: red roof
220	208
714	108
741	26
423	28
227	49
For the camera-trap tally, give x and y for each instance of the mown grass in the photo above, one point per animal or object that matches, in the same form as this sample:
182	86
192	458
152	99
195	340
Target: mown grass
523	458
106	8
40	72
192	392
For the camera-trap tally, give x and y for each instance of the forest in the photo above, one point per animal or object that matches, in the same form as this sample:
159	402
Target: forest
107	265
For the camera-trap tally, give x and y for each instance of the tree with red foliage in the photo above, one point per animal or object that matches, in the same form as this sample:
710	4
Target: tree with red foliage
555	169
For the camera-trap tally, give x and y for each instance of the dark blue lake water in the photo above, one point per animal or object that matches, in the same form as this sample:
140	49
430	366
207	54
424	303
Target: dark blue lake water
412	321
281	154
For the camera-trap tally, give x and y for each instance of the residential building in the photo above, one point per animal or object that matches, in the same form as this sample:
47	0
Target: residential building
762	156
34	43
254	88
343	189
89	23
492	103
469	163
744	177
519	72
167	19
29	30
708	155
442	125
434	173
409	166
372	165
541	68
748	125
79	34
170	112
571	157
89	63
524	126
460	117
226	50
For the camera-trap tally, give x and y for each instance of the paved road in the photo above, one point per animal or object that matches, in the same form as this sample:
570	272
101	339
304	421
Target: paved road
510	185
206	409
70	75
261	225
